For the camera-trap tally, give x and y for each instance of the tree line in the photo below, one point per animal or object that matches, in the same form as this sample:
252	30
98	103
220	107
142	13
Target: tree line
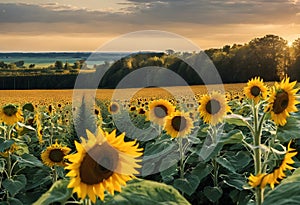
271	57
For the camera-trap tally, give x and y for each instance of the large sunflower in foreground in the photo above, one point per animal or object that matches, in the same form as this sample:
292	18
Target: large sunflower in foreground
55	155
10	114
213	107
178	124
263	179
103	162
158	110
282	101
256	89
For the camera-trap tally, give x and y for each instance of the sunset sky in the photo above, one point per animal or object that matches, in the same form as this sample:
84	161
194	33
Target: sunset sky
85	25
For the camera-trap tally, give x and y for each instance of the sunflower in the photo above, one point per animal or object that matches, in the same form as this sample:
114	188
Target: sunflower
263	179
103	162
178	124
158	110
256	89
282	101
10	114
114	108
213	107
39	128
55	155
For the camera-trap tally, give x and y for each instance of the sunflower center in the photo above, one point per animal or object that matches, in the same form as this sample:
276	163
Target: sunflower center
213	107
281	102
114	108
160	111
56	155
178	123
98	164
10	110
255	91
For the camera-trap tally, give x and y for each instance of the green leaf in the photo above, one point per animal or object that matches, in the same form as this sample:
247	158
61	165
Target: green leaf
236	120
14	201
213	193
167	174
187	185
232	137
57	193
202	170
208	151
193	140
2	165
287	192
29	160
5	144
28	127
234	162
234	180
145	192
14	185
290	130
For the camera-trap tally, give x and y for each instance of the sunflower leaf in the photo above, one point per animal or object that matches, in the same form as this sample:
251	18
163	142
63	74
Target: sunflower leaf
236	120
213	193
14	201
234	162
25	126
234	180
2	165
5	144
287	192
29	160
290	129
146	192
232	137
57	193
15	184
202	170
188	184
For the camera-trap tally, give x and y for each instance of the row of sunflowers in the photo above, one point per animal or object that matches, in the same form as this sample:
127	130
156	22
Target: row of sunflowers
202	149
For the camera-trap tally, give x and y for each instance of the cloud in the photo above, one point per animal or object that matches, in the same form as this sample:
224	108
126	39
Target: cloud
206	20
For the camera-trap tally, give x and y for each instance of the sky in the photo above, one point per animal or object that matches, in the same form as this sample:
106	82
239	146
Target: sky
90	25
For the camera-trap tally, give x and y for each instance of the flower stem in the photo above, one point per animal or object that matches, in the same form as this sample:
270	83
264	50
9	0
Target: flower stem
181	156
257	152
214	161
54	178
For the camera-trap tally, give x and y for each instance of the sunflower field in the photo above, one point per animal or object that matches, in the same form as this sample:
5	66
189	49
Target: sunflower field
213	148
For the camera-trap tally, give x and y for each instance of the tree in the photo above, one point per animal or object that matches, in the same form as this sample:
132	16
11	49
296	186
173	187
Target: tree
77	65
67	66
269	53
12	66
294	69
58	65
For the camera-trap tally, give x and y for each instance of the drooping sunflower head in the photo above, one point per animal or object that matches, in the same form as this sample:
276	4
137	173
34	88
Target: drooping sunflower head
262	180
102	162
114	108
213	108
158	110
282	101
55	155
256	90
178	124
10	114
